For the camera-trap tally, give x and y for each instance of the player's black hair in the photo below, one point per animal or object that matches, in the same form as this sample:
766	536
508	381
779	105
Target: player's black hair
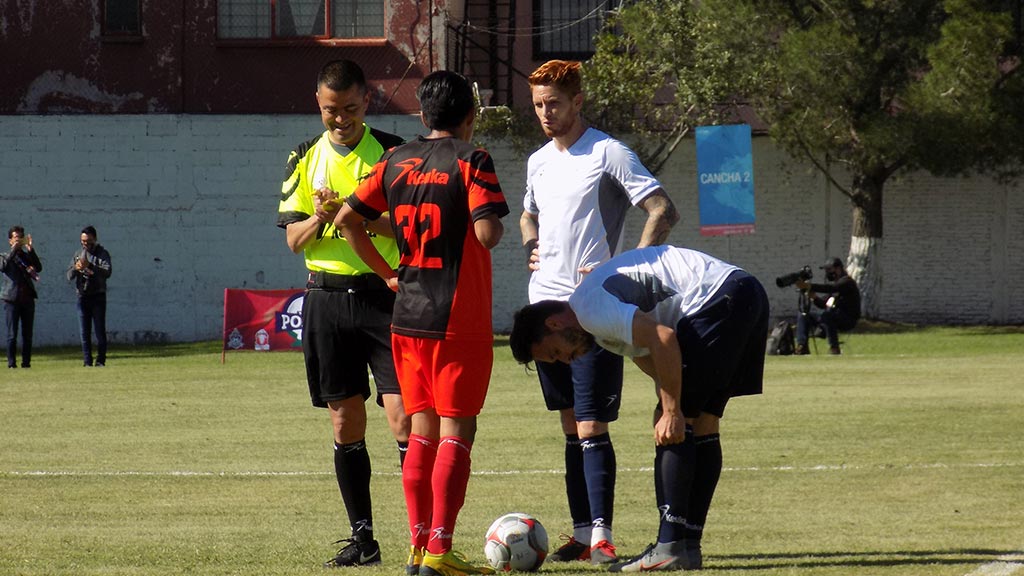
18	229
89	231
445	99
340	75
529	327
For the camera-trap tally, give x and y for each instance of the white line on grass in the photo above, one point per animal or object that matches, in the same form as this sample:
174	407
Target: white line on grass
269	473
1003	566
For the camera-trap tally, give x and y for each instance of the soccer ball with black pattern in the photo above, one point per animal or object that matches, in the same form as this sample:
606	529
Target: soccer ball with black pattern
516	541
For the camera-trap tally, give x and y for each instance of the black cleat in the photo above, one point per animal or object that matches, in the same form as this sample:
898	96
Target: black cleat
355	553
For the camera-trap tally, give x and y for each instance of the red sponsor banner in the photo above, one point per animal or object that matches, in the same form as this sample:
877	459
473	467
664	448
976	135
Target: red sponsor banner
262	320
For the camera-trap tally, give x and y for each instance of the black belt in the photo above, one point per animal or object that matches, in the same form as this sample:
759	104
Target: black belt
327	281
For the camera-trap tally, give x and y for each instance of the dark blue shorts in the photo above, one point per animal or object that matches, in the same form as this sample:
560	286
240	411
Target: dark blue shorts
723	346
343	332
591	385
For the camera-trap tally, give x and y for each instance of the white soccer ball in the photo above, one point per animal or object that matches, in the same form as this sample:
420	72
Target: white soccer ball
516	541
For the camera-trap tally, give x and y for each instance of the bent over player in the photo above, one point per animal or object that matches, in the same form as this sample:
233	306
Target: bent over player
697	326
445	204
346	311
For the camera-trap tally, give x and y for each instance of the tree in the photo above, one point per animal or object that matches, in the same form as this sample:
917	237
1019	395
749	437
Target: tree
863	89
652	77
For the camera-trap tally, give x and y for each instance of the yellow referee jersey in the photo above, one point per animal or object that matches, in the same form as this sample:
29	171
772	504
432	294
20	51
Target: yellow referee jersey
315	164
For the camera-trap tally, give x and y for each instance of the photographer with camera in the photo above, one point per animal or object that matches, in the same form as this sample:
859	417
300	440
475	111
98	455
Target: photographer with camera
839	301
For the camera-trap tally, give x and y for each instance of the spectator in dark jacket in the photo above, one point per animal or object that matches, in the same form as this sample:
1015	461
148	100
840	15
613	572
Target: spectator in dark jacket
89	270
839	302
21	268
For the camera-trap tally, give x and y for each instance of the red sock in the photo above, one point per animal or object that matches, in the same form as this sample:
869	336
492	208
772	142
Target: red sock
451	475
416	483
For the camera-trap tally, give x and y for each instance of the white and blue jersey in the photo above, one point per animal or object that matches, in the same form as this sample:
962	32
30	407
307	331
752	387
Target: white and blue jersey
580	197
667	282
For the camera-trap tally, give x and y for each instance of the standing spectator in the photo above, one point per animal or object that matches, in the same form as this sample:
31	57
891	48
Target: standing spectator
697	326
445	204
89	270
346	312
21	267
578	189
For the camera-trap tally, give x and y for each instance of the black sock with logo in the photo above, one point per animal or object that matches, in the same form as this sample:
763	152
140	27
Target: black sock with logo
352	468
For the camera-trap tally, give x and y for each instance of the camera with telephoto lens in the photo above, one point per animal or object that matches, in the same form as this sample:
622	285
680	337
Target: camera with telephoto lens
804	273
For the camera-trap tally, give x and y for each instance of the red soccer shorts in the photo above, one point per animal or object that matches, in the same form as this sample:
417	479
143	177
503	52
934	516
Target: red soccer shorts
449	376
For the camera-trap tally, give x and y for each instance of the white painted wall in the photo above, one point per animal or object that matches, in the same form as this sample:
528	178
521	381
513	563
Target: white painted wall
187	205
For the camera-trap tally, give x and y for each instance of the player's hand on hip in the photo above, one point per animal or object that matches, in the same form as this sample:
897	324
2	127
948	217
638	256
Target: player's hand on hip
534	262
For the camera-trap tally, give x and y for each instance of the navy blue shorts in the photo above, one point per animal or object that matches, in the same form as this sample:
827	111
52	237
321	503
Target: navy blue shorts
723	346
343	332
591	385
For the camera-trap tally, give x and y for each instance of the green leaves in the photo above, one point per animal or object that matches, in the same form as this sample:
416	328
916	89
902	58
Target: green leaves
880	85
660	69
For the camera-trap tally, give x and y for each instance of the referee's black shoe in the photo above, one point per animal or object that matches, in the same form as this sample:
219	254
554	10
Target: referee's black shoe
355	553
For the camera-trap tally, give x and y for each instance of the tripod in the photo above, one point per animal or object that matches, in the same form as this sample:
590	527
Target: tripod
803	305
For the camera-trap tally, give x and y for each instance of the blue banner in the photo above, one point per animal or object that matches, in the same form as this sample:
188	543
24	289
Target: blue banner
725	180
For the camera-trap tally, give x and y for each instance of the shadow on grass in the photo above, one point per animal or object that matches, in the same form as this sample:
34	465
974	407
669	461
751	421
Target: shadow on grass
854	559
123	351
990	330
883	327
168	350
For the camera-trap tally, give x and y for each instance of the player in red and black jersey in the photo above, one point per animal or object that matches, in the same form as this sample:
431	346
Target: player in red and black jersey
445	203
438	189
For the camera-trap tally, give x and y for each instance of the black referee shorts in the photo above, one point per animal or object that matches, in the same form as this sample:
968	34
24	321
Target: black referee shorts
343	332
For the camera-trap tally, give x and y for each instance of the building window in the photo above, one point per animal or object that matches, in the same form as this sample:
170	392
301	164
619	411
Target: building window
294	19
566	30
121	18
357	19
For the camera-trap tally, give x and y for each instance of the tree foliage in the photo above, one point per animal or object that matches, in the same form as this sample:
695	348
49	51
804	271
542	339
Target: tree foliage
873	87
882	86
512	126
652	78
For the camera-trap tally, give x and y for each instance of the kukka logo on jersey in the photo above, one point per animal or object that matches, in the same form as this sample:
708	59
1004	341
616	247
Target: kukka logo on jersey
414	177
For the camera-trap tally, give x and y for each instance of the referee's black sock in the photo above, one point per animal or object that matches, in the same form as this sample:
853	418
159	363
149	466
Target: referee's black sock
403	447
707	470
352	468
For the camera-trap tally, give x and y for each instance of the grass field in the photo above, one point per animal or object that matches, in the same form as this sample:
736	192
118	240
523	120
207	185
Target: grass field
905	456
